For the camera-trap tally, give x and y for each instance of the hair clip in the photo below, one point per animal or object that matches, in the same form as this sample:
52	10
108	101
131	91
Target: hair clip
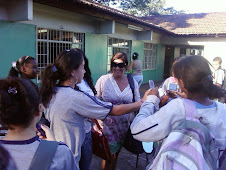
54	68
12	90
14	64
26	58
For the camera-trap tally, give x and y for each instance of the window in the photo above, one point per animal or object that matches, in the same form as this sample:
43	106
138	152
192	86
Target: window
51	42
150	56
117	45
196	52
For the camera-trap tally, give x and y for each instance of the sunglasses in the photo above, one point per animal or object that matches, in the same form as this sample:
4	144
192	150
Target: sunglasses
120	65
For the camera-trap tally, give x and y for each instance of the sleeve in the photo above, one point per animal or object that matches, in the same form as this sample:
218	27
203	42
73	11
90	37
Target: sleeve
64	159
91	106
136	91
99	86
152	124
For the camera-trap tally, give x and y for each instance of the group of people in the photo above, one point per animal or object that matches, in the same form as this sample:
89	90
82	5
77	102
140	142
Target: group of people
69	101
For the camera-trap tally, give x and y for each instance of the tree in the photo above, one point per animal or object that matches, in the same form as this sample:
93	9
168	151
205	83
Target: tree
141	7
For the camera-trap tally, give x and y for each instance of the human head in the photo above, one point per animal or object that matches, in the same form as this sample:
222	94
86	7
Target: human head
67	65
135	55
19	102
195	73
26	66
87	75
217	63
119	56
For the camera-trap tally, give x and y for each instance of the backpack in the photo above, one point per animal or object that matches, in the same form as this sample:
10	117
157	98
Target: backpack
188	146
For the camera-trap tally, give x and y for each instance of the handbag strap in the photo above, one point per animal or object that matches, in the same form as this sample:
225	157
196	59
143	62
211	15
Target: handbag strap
44	155
131	84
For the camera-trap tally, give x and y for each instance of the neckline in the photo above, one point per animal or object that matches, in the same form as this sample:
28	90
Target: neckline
20	142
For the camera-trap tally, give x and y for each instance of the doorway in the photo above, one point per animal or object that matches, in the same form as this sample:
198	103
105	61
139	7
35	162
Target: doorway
169	56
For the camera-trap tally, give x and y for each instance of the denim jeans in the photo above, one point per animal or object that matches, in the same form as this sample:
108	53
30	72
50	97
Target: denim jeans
139	79
86	153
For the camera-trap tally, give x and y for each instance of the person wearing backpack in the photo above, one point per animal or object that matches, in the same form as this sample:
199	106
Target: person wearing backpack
198	116
20	110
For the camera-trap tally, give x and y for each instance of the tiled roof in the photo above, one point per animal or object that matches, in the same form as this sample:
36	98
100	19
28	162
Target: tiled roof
191	24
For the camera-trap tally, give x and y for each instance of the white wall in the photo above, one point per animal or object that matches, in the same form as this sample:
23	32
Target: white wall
213	46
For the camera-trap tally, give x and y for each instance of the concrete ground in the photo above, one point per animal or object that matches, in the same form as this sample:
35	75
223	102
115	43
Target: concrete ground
127	160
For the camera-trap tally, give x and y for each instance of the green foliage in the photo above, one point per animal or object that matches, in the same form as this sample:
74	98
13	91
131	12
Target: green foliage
141	7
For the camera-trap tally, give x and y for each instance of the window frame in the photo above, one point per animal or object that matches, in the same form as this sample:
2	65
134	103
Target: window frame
47	48
151	49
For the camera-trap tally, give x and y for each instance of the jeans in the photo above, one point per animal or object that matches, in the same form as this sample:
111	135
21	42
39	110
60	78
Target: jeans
139	79
86	153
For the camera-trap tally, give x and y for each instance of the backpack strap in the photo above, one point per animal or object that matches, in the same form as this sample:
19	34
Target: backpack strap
44	155
131	84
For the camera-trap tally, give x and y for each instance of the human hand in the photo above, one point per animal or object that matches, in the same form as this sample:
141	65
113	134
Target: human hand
48	132
150	92
182	94
171	94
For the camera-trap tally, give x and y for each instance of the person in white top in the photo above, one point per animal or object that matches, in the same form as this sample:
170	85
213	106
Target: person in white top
87	86
115	88
66	107
194	78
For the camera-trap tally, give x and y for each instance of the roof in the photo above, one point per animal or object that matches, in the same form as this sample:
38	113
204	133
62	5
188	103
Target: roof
101	11
191	24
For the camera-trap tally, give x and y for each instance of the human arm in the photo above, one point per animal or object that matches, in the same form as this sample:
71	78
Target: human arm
131	65
152	124
128	108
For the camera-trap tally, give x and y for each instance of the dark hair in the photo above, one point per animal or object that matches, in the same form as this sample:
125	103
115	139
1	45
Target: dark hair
218	59
87	75
15	70
195	73
64	64
120	55
18	101
135	55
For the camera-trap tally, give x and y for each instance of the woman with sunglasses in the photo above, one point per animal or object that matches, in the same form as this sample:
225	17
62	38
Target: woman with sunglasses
115	88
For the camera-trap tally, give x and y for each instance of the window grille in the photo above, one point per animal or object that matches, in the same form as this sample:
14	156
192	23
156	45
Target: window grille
117	45
51	42
150	56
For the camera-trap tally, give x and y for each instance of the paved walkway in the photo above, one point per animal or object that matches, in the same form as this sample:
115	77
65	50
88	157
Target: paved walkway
127	160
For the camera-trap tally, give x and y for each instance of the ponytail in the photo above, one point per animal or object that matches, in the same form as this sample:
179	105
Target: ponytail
13	72
211	89
49	80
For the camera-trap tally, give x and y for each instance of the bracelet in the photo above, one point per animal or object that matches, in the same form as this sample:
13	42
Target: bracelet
141	101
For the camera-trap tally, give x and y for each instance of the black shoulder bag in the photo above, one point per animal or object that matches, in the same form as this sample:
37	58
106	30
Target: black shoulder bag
132	145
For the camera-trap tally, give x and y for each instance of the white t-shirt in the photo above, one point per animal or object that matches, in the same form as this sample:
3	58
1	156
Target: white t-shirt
218	77
66	112
83	86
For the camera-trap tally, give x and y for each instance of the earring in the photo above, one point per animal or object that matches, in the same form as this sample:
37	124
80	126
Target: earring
76	80
69	81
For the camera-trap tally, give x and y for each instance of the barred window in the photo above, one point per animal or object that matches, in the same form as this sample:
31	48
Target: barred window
117	45
150	56
51	42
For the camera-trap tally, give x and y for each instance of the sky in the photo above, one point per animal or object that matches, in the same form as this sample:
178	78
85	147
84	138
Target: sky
198	6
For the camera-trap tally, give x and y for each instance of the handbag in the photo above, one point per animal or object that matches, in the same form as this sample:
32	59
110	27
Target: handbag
100	142
131	144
